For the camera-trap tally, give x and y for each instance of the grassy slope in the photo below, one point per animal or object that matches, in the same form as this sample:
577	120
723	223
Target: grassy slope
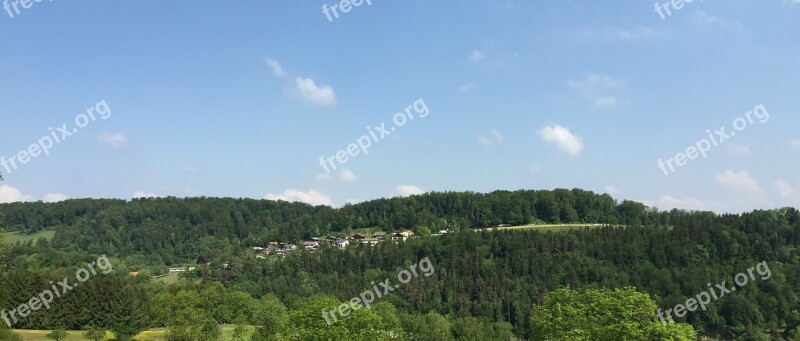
13	237
157	334
547	227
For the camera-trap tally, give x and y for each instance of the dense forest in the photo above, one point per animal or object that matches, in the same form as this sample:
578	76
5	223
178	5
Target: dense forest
487	285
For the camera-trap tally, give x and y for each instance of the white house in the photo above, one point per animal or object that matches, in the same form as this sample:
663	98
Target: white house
341	243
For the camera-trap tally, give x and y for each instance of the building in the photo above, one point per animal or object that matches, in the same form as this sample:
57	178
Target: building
177	270
341	243
399	237
358	237
379	236
311	245
370	241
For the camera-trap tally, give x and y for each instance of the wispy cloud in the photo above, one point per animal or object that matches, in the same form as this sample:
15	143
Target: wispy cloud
113	141
607	34
785	190
704	19
563	138
794	144
309	92
475	56
667	202
601	90
343	175
494	137
143	194
276	67
311	197
467	87
54	197
407	190
735	149
738	181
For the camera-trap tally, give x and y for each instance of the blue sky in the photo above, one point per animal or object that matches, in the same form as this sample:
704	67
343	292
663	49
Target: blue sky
241	99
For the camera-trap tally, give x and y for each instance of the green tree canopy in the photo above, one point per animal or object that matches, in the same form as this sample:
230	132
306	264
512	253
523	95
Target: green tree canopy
603	314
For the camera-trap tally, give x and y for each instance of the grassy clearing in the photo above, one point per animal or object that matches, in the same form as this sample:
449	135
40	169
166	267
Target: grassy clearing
13	237
169	278
546	227
157	334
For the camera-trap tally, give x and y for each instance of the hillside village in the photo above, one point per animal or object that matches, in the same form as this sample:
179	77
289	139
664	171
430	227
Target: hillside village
313	244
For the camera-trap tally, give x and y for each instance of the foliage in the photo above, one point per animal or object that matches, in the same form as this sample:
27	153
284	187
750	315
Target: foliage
491	280
57	334
603	314
95	334
193	325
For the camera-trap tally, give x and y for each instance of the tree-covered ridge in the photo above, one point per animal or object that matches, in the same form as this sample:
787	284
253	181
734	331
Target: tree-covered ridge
176	226
496	276
485	279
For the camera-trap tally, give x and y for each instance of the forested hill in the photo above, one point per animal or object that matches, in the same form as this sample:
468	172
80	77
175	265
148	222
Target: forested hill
175	227
482	280
244	217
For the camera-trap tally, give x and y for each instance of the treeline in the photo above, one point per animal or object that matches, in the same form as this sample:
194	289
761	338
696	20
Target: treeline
174	228
497	277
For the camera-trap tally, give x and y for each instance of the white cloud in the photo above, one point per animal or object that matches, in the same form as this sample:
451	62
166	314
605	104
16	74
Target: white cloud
494	137
308	91
190	169
143	194
666	202
54	197
605	102
348	176
10	194
534	169
476	56
563	138
735	149
342	175
785	189
795	143
483	141
352	201
706	19
616	34
114	141
311	197
611	190
739	181
277	70
601	90
468	87
406	190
